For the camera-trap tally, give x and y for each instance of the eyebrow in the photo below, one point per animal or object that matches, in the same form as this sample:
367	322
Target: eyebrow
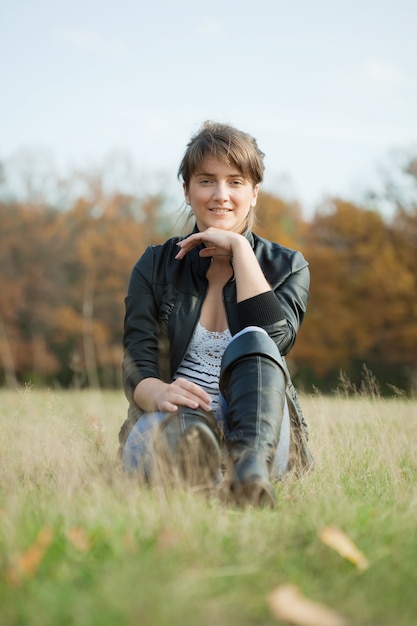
234	175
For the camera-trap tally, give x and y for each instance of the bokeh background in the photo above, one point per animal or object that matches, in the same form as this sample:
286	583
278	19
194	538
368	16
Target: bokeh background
98	100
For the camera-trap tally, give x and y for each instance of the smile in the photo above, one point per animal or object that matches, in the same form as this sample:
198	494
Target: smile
220	210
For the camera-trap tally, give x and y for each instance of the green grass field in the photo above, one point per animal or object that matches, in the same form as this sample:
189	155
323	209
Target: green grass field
81	544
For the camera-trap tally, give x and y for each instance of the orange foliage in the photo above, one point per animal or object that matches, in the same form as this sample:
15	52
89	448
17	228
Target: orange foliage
27	562
64	281
278	220
362	303
65	275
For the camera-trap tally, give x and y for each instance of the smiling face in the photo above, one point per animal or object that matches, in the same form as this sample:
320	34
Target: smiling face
220	196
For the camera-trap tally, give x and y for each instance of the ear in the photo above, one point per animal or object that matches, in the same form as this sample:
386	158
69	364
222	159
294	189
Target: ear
254	196
184	187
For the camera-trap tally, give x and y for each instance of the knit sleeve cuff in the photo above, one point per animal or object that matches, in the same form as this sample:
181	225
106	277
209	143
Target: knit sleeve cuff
260	310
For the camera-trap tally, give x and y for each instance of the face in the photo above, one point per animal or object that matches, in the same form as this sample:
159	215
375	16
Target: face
220	196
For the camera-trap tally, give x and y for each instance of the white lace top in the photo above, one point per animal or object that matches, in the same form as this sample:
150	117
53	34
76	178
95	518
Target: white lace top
202	361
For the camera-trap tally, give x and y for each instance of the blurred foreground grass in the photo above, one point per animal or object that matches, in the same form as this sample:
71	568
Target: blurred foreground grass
80	544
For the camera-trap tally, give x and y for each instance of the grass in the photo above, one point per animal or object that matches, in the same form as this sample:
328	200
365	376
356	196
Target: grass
81	544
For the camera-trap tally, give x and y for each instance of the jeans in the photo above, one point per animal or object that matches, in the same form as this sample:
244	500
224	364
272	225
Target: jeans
138	454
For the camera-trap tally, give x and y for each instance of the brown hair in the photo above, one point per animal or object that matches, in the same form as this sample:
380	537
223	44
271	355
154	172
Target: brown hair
224	143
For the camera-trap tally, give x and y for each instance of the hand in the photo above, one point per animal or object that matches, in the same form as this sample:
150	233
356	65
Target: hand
218	242
152	394
182	392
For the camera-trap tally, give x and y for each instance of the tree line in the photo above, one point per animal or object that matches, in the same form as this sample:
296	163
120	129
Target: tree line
65	267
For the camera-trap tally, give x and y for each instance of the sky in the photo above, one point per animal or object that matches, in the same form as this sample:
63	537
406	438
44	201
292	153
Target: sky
328	88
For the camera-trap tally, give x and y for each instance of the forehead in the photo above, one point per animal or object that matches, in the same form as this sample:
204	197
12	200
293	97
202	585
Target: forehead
218	167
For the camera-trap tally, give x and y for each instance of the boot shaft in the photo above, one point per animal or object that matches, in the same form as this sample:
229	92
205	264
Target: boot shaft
253	384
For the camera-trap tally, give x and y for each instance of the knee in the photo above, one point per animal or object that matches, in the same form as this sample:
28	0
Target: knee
252	341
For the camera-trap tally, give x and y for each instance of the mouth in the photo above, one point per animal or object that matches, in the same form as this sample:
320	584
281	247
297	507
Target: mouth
220	211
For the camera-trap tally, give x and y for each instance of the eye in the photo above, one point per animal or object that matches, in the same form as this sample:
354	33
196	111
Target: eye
237	182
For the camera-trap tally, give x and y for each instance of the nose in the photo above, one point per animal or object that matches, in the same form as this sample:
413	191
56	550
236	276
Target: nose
220	193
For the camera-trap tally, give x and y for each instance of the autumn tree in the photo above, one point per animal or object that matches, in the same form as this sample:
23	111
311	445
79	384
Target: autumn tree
399	191
279	220
64	280
30	242
66	259
362	294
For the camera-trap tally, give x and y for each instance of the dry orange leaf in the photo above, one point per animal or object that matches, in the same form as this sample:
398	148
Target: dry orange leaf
79	538
168	538
27	562
339	541
287	603
129	541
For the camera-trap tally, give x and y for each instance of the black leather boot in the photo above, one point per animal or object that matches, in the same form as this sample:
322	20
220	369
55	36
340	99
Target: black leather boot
188	449
253	384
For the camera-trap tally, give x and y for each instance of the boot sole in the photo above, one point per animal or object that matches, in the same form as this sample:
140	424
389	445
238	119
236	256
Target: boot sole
254	493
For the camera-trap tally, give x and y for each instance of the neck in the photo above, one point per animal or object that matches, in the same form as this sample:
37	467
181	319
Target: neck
222	261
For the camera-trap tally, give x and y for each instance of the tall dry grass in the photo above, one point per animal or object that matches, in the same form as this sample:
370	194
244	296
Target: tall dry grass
121	553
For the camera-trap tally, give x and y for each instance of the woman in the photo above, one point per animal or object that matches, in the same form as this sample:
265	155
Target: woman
209	318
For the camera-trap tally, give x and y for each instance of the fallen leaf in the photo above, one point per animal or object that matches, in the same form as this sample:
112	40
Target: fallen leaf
27	562
168	538
79	538
287	603
129	541
339	541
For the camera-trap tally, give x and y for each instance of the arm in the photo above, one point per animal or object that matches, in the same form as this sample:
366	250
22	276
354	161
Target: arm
281	311
140	338
141	375
272	290
249	277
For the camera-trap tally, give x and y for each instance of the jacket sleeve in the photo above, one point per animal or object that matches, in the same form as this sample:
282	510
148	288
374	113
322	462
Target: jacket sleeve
140	338
281	311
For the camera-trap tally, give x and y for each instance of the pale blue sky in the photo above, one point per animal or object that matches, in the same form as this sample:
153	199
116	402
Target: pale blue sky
327	87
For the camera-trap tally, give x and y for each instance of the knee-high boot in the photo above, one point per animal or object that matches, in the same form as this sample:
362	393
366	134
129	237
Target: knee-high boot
188	447
253	384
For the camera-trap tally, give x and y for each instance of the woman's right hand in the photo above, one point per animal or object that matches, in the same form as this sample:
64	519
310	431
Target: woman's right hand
152	394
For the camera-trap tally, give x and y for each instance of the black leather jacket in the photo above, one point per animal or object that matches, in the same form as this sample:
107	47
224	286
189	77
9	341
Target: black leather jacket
163	306
165	297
